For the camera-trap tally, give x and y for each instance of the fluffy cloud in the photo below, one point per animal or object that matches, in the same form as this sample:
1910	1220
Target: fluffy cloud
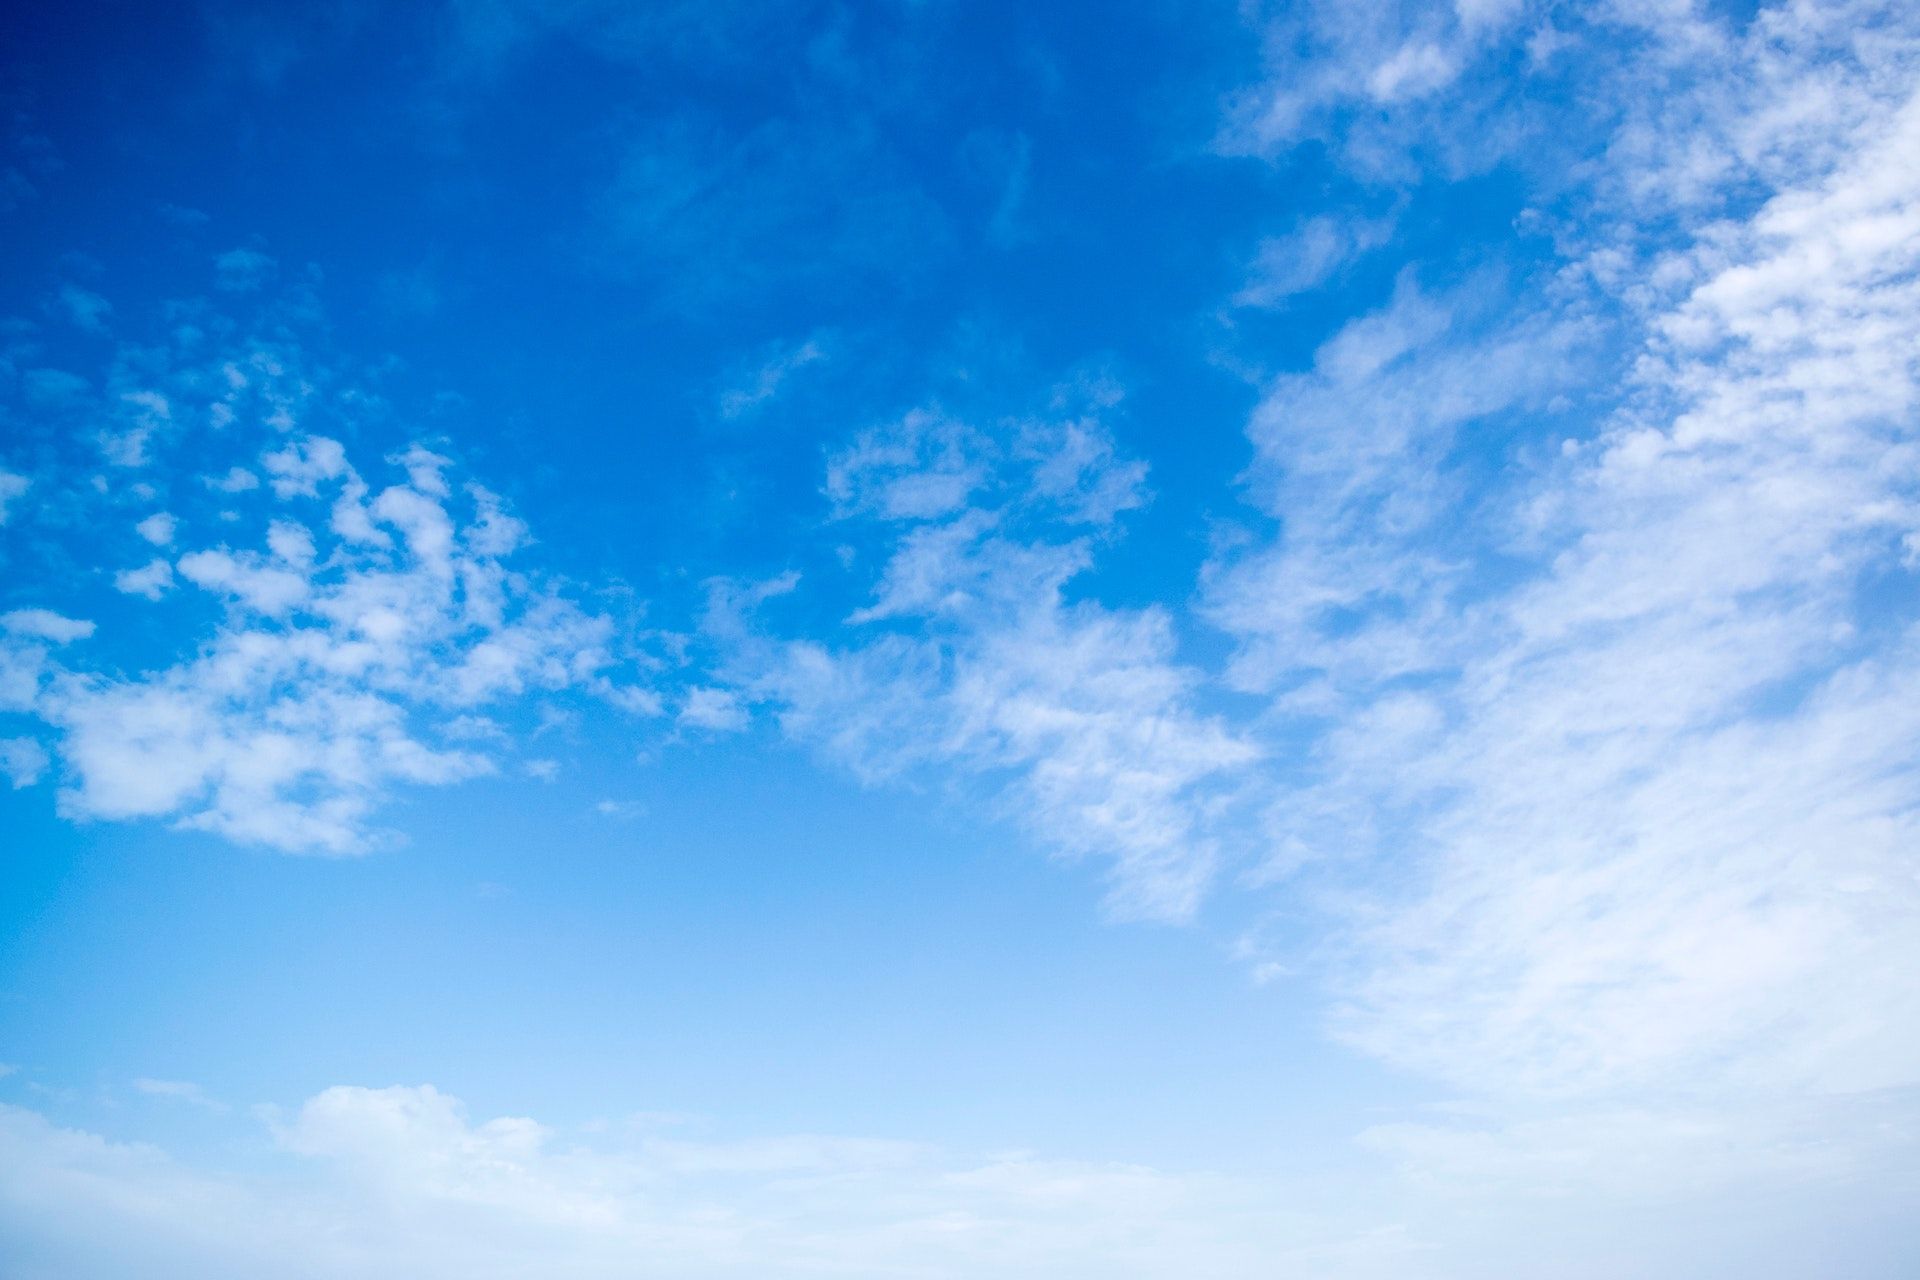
157	528
152	579
338	656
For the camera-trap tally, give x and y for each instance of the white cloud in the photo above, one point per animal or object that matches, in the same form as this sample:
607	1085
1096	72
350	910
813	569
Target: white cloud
243	270
158	528
977	662
152	579
623	809
1309	256
45	624
766	382
717	710
23	761
1352	455
923	466
251	579
360	635
141	414
236	480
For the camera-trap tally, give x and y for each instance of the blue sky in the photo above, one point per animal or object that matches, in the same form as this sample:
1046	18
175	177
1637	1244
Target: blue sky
943	640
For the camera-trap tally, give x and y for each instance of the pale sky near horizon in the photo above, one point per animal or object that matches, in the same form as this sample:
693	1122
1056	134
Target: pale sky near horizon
941	640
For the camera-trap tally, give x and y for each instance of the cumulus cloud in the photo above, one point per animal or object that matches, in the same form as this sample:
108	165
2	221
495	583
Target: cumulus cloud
236	480
320	688
23	761
1309	256
1328	62
157	528
403	1181
152	579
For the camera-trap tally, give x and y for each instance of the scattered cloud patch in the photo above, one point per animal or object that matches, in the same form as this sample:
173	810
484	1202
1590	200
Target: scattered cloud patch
158	528
243	270
152	579
975	660
45	624
365	624
23	761
713	709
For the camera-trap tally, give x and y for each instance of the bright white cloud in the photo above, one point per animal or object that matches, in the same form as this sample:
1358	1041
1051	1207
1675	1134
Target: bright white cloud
321	688
152	579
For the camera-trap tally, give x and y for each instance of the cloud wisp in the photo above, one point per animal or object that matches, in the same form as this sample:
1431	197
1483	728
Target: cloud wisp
970	652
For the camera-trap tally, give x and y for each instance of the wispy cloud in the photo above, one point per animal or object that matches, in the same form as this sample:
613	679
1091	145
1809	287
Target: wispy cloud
460	1197
978	661
1633	757
753	392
